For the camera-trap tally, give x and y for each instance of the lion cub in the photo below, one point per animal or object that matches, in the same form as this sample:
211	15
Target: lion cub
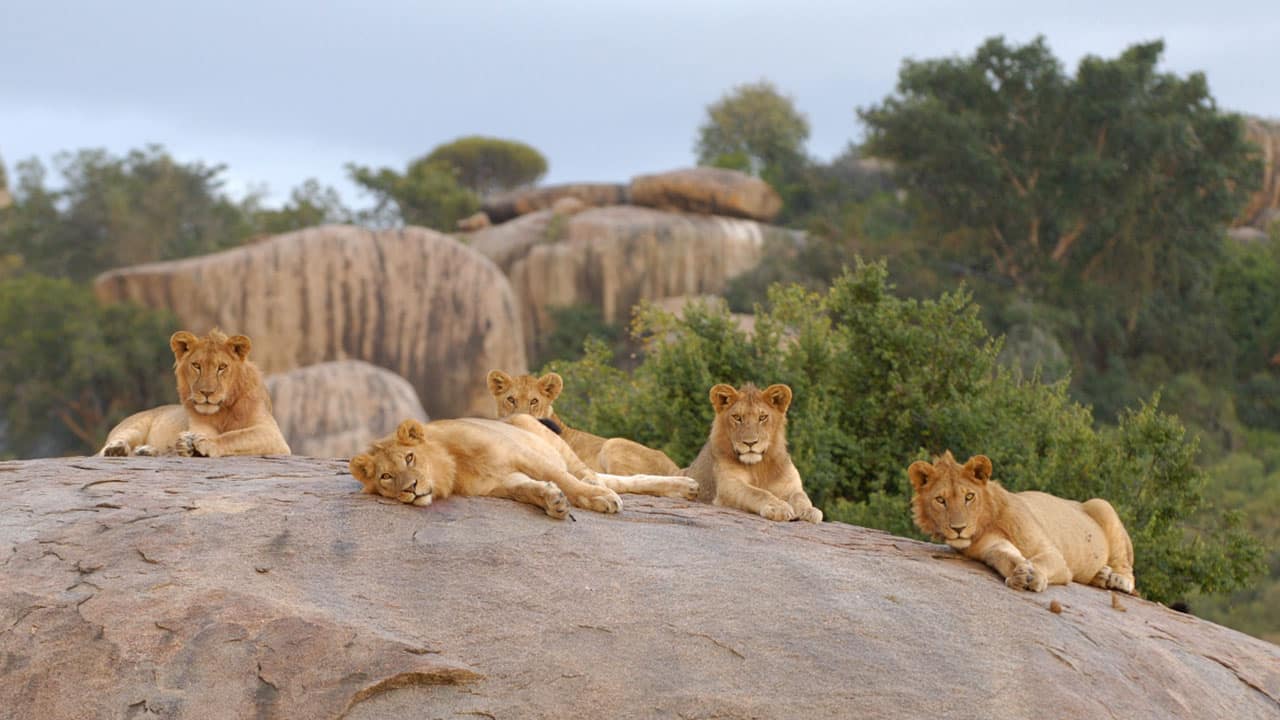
624	465
225	407
745	463
517	458
1031	538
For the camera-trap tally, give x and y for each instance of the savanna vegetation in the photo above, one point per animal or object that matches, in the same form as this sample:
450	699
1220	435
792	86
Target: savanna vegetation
1016	259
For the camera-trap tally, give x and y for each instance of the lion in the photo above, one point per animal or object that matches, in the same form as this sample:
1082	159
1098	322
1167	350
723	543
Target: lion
518	458
745	463
1032	539
225	407
625	465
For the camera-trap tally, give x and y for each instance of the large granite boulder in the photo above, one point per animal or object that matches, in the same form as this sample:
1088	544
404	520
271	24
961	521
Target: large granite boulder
713	191
336	409
271	588
614	257
411	300
1266	135
506	206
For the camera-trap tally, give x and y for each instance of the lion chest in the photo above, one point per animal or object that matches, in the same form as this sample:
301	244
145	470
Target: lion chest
1066	526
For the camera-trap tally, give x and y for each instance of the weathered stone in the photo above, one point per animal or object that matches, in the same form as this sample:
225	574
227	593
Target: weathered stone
410	300
1266	135
471	223
271	588
336	409
615	257
506	206
713	191
568	206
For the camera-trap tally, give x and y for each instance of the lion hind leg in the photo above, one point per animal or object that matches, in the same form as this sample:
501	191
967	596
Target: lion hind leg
522	488
661	485
620	456
1119	546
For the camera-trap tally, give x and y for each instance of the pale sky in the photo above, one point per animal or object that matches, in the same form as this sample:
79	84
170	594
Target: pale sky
281	91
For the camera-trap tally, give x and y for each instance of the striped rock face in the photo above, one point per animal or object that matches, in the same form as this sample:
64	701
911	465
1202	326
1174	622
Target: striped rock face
416	302
336	409
1266	135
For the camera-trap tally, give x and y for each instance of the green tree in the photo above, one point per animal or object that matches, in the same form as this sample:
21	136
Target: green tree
1120	175
111	211
71	368
880	381
487	165
309	204
427	194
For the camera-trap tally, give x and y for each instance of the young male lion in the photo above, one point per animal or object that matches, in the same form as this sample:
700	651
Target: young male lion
625	465
225	407
1031	538
745	463
517	458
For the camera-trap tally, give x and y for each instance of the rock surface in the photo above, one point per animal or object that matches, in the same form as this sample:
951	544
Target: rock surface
412	300
614	257
1266	135
270	588
506	206
708	190
336	409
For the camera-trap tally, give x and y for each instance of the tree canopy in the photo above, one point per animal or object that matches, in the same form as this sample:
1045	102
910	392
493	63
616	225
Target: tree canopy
486	165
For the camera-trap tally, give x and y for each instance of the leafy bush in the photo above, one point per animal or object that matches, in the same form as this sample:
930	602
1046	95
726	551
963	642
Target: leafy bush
880	381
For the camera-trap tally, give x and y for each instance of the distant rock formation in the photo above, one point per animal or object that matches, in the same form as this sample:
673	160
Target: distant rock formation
336	409
471	223
713	191
506	206
411	300
614	257
272	588
1266	135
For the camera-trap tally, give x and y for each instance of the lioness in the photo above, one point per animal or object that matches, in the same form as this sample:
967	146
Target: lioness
225	407
517	458
1031	538
626	466
745	463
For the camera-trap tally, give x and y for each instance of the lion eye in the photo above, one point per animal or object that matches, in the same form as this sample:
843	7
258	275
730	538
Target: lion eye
386	478
737	418
968	497
764	418
511	401
941	501
222	368
408	459
195	366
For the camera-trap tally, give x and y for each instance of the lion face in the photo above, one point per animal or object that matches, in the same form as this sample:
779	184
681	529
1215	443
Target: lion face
751	420
396	467
950	500
210	369
525	393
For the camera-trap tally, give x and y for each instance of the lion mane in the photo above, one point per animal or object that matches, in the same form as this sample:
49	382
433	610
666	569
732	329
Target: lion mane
745	463
1033	539
225	408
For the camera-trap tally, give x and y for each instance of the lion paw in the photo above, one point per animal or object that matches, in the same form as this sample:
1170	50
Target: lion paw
192	444
118	448
689	490
606	502
1123	583
1026	577
557	504
812	514
778	511
146	451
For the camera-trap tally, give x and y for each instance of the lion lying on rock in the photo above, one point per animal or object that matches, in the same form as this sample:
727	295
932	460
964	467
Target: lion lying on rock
518	458
745	463
225	407
1031	538
625	465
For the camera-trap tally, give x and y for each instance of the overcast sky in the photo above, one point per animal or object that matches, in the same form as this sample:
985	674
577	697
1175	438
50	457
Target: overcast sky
281	91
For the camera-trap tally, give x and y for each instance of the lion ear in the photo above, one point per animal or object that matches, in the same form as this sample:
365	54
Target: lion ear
411	432
363	468
920	473
181	343
980	467
779	396
722	396
498	382
239	346
551	385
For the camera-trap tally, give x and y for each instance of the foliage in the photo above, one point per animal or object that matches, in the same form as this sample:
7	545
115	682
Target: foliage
571	326
880	381
71	368
488	165
1120	175
111	211
427	194
310	204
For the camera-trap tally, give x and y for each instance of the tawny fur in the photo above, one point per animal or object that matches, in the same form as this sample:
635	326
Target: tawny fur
225	407
517	458
620	461
1032	539
745	463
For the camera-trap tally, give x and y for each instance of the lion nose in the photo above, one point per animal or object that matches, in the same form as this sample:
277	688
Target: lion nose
957	528
750	443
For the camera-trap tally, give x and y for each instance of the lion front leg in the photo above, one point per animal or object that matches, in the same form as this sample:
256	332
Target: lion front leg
660	485
253	440
804	508
733	492
1018	572
522	488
